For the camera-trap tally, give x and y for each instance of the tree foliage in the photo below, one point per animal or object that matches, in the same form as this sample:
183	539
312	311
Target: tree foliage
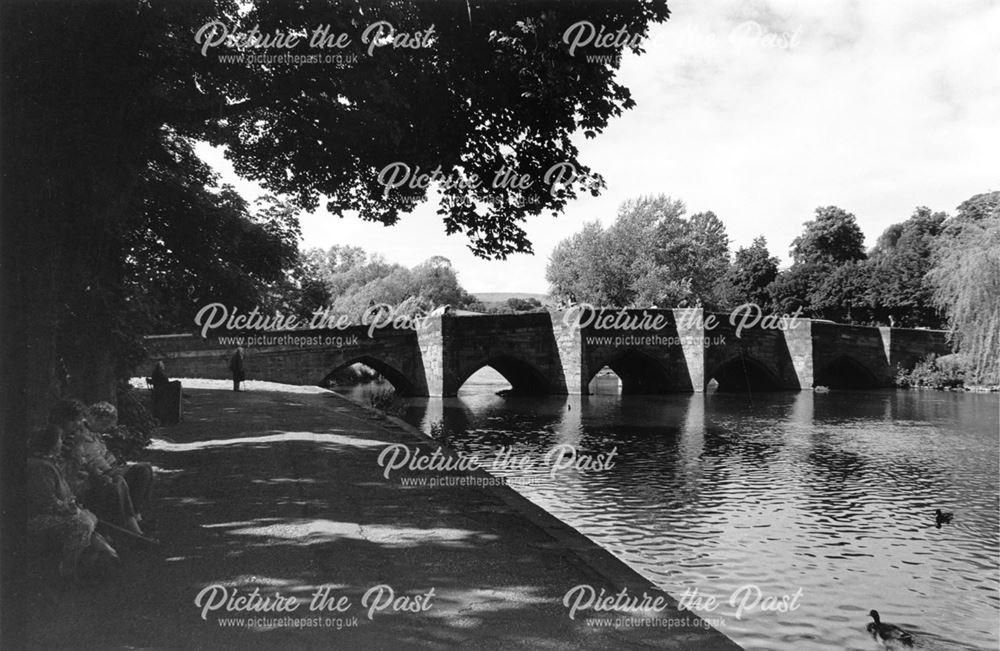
833	237
651	255
497	89
196	241
515	304
352	281
109	96
897	288
816	283
966	283
749	278
832	278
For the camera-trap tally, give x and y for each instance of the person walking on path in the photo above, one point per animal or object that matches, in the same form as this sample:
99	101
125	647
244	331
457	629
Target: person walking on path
236	367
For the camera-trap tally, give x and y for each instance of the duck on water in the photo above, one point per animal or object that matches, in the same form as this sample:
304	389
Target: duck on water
942	517
889	635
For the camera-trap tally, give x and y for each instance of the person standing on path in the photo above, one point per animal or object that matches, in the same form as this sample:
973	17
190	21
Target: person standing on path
236	366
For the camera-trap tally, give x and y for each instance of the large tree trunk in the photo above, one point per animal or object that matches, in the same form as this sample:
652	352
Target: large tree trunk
68	184
92	327
29	384
32	241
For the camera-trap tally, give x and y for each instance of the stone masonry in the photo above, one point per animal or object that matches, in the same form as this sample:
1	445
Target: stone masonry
652	351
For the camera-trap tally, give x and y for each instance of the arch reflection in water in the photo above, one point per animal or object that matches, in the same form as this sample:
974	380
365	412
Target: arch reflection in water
605	382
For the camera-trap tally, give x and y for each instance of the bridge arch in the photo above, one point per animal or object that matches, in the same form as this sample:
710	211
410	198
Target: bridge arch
603	382
403	385
525	378
640	373
743	373
845	372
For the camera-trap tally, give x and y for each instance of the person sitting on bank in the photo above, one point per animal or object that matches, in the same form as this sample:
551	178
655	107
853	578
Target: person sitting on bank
54	517
236	367
94	480
101	419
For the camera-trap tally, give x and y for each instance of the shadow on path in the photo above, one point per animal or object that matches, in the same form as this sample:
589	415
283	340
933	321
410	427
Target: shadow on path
283	492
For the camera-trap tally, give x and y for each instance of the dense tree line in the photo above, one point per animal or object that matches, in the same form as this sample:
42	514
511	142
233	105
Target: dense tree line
652	255
931	270
346	280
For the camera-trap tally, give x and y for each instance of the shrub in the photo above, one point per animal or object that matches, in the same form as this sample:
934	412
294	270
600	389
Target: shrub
382	397
945	372
353	375
135	426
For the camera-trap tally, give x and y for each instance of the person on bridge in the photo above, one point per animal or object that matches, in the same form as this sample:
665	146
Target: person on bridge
236	367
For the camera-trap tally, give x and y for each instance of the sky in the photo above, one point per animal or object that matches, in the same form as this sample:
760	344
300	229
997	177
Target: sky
761	111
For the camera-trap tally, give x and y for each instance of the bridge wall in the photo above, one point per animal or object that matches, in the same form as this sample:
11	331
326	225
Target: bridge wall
769	358
542	353
189	355
840	349
521	347
666	359
908	346
394	353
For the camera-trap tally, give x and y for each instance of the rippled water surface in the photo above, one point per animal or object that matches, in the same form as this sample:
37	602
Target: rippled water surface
831	494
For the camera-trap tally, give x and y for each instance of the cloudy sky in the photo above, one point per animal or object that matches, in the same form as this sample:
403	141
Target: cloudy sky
762	110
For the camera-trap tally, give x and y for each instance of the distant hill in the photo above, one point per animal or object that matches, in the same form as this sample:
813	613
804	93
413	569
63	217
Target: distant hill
490	299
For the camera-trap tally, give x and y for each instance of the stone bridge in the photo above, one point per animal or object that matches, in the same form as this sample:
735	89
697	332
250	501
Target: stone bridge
652	351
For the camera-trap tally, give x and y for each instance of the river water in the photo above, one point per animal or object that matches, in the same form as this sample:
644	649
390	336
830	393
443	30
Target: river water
828	496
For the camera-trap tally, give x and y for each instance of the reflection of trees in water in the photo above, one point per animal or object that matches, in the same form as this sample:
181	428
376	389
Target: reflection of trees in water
839	407
836	463
895	405
872	482
935	405
649	468
694	453
833	485
501	423
717	487
759	447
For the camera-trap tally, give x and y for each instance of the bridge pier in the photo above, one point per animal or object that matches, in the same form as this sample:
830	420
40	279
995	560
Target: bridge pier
430	341
691	334
799	342
569	342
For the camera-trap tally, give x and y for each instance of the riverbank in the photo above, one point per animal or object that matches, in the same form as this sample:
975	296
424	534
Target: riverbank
945	373
278	489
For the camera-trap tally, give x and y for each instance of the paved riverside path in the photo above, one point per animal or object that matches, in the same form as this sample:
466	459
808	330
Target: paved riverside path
281	490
